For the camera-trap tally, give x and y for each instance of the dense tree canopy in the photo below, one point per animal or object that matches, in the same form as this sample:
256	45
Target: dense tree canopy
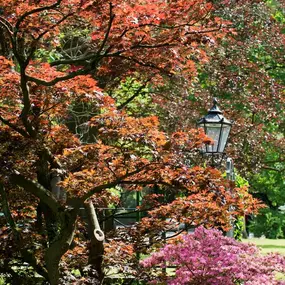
67	138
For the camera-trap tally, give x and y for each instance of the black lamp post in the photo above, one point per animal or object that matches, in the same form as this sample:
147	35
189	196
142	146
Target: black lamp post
217	127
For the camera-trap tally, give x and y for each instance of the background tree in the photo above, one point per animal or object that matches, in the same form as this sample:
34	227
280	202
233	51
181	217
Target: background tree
246	71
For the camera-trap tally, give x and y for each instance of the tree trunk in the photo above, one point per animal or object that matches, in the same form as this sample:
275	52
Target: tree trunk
4	46
60	225
59	247
96	250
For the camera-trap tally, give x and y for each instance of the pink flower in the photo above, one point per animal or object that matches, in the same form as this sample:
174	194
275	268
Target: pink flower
209	258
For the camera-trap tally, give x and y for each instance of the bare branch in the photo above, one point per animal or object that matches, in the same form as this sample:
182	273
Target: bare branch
145	182
9	30
95	57
7	25
111	18
115	215
38	190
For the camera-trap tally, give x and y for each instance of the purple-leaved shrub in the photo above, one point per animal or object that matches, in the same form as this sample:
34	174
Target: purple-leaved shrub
209	258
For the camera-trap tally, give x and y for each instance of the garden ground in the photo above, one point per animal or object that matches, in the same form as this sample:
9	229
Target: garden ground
268	245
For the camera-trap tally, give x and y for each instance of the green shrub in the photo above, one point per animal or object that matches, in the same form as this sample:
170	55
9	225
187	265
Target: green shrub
2	280
239	228
270	223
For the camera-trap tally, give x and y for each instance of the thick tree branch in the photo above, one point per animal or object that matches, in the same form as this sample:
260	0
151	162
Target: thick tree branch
71	75
26	102
14	127
38	190
119	180
96	249
7	26
54	163
111	18
93	220
58	247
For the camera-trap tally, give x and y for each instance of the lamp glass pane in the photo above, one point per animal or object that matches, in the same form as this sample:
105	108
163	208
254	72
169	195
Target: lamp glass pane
224	137
213	131
203	148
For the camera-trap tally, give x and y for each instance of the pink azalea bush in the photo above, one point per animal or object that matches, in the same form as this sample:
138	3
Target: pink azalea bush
209	258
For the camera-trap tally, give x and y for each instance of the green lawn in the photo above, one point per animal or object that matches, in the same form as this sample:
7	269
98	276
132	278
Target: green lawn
268	245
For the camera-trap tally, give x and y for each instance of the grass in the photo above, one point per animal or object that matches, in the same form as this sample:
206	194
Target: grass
268	245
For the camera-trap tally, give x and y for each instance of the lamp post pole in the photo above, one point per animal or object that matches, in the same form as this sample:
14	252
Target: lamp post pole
230	176
217	127
230	169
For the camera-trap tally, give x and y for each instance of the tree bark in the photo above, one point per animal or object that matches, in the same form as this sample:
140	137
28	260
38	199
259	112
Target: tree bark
4	46
59	246
96	250
60	222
